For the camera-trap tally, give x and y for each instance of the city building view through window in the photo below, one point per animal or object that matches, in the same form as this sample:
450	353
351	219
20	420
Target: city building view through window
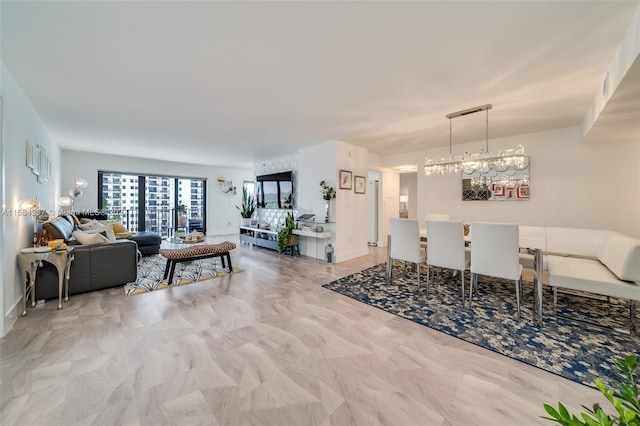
162	204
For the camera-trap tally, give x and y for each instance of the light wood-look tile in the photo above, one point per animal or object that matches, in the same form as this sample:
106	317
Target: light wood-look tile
268	346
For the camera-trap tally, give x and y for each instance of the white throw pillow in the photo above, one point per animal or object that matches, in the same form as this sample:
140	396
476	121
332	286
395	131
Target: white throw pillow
111	236
87	238
92	226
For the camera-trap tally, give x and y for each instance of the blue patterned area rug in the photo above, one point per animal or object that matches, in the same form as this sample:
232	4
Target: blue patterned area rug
151	273
564	346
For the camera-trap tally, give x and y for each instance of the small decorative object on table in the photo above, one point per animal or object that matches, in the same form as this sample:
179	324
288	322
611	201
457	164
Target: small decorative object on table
327	194
41	239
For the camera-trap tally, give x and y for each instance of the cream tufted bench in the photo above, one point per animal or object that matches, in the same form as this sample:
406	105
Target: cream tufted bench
188	254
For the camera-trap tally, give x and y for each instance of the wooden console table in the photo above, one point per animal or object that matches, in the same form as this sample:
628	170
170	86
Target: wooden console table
29	264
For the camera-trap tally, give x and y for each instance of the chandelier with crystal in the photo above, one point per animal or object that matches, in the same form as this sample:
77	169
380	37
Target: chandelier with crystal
482	162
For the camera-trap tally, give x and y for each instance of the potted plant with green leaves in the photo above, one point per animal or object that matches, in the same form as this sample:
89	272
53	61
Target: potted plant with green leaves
285	234
627	407
248	207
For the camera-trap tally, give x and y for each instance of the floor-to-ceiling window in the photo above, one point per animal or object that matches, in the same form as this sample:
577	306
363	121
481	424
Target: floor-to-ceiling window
159	204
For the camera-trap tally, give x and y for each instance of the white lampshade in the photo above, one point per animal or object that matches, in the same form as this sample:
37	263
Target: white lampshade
30	205
64	201
404	198
80	183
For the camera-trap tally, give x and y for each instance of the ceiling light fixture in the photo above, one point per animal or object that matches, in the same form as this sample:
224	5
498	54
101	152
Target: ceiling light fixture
484	161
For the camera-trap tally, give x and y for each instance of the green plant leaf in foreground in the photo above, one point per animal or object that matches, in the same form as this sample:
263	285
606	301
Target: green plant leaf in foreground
627	407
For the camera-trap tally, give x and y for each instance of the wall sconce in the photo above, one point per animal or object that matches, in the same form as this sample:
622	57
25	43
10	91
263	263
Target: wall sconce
30	205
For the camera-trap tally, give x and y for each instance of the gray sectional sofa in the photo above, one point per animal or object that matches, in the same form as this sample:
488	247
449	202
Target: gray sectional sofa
95	266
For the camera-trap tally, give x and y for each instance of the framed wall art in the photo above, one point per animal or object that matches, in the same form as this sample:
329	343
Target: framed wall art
42	168
31	157
346	179
359	184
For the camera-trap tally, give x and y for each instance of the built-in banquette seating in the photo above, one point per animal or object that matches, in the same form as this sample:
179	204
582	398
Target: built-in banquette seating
596	261
95	266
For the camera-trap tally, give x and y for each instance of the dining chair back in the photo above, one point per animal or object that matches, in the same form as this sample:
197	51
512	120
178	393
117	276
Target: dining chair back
405	243
494	252
437	216
445	248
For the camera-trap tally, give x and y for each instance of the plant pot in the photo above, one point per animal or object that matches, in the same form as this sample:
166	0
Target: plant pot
245	222
293	240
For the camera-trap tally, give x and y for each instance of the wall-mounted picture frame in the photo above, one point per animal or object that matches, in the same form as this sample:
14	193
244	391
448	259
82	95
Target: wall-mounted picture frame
49	170
36	160
345	179
42	169
31	157
359	184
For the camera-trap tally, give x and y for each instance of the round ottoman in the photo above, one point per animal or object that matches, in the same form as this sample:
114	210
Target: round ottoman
148	242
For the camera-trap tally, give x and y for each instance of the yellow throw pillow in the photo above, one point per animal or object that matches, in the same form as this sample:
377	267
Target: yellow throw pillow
119	228
76	221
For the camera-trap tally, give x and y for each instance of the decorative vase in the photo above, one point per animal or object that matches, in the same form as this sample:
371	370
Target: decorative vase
326	215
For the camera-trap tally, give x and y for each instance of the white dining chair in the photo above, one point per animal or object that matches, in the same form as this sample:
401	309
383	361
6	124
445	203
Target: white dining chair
494	252
431	216
405	243
446	248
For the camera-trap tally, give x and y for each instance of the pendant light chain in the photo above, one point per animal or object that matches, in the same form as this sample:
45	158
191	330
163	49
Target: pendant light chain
450	138
487	133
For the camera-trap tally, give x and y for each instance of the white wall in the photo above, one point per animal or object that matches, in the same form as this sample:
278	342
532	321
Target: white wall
222	215
20	123
323	162
351	208
317	163
623	59
572	184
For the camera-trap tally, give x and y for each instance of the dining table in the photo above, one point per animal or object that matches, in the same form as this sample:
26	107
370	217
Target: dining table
526	245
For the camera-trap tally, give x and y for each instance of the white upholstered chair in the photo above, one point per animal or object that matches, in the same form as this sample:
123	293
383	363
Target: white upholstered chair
446	248
432	216
405	243
494	252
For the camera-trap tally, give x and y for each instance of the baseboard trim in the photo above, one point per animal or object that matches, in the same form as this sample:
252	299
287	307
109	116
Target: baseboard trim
11	317
343	257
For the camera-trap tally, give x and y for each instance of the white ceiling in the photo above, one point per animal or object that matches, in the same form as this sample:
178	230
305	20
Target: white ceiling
227	83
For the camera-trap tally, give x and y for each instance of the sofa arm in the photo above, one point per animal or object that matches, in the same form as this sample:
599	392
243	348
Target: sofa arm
113	264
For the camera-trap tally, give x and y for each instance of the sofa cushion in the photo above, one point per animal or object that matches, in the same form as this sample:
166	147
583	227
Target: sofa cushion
59	228
589	275
575	241
87	238
92	225
621	254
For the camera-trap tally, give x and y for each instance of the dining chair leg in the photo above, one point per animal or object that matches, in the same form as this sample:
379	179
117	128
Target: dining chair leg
518	285
632	317
472	279
418	267
462	285
428	276
555	300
